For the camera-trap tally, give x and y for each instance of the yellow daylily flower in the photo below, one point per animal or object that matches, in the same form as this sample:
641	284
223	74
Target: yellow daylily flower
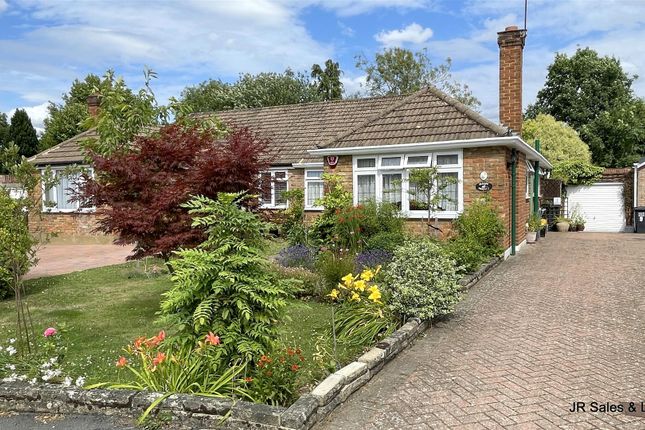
375	296
360	285
333	294
367	275
342	287
355	297
373	289
378	269
348	279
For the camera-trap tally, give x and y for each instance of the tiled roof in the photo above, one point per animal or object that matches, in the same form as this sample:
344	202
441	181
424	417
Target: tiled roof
67	152
425	116
294	129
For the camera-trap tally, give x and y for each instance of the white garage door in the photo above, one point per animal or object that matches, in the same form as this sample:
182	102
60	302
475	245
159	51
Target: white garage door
601	204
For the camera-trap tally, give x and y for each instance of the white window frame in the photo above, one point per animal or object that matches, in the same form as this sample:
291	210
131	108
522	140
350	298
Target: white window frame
56	171
309	181
272	204
404	169
530	174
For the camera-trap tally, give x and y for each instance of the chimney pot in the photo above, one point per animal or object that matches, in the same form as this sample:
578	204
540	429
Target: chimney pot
511	28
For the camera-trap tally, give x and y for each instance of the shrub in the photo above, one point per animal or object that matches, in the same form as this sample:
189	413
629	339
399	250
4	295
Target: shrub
335	199
422	281
577	172
297	256
303	282
372	258
381	218
293	222
348	233
386	240
361	317
333	266
275	378
224	285
467	253
481	223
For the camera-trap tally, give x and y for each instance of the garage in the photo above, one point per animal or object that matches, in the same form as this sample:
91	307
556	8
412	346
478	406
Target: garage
601	204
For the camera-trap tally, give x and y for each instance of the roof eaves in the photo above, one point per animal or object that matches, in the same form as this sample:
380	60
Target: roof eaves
74	139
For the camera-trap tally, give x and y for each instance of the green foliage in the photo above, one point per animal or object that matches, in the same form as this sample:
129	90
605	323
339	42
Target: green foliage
396	71
327	80
23	134
467	253
4	137
293	223
332	266
334	200
428	190
251	91
534	222
481	223
577	172
381	218
386	240
594	95
274	380
421	281
224	285
558	141
303	282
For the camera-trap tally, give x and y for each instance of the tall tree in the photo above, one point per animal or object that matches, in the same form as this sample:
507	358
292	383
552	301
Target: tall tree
250	91
594	95
23	133
4	137
396	71
558	141
327	80
67	119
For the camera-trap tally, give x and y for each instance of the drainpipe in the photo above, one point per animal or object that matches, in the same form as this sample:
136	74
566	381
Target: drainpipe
513	200
536	181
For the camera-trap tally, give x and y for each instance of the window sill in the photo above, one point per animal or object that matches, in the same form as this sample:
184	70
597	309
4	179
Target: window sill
440	216
68	211
273	207
314	208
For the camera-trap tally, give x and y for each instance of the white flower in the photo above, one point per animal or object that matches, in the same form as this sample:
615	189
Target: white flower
53	360
67	382
1	349
11	350
10	367
80	381
22	378
33	381
12	340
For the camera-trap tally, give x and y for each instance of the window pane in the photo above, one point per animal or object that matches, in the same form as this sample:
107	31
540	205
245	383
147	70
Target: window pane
65	192
448	181
314	192
418	159
366	162
442	160
392	189
314	174
265	187
418	198
390	161
280	175
366	188
280	188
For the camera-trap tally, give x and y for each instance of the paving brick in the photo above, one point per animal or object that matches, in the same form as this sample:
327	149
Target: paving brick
553	325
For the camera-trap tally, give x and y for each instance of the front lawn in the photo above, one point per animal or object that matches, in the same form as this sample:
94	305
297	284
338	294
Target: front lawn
104	309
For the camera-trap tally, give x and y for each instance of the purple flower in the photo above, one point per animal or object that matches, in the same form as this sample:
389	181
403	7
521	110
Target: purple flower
297	256
372	258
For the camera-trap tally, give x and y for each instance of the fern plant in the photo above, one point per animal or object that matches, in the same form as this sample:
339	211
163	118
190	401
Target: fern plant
224	285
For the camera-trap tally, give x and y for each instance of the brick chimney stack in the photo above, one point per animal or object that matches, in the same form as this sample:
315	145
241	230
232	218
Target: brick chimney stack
511	47
93	104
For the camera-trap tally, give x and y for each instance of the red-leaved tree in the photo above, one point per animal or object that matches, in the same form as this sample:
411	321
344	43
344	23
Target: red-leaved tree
139	193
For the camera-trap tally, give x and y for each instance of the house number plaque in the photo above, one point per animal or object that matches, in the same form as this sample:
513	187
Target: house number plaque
484	186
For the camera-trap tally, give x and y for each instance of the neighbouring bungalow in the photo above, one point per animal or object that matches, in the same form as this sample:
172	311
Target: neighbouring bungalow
372	143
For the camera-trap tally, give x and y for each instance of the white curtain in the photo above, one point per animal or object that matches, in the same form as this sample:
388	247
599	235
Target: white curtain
392	188
366	188
451	191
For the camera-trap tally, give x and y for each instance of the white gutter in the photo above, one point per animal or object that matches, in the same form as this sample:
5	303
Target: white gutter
308	165
513	142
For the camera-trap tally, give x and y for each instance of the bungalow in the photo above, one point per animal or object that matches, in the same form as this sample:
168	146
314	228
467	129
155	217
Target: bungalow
372	144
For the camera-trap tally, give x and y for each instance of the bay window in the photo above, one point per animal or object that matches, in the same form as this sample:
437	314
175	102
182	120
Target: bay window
273	185
386	178
58	192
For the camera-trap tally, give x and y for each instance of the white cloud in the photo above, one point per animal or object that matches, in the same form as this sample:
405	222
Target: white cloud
354	84
413	33
357	7
37	114
3	5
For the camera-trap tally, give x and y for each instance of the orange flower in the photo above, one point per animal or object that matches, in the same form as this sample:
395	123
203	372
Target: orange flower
122	362
161	336
290	352
158	359
295	368
211	339
248	379
139	341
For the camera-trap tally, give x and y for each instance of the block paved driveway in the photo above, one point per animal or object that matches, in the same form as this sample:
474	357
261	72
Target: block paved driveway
60	259
563	321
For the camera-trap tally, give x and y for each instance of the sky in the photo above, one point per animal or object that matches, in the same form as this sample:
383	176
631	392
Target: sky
46	44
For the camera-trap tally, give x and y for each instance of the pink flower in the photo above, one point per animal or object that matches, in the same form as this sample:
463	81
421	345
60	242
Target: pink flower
51	331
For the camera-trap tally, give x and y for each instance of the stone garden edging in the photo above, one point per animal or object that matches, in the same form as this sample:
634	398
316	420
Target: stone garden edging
205	412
